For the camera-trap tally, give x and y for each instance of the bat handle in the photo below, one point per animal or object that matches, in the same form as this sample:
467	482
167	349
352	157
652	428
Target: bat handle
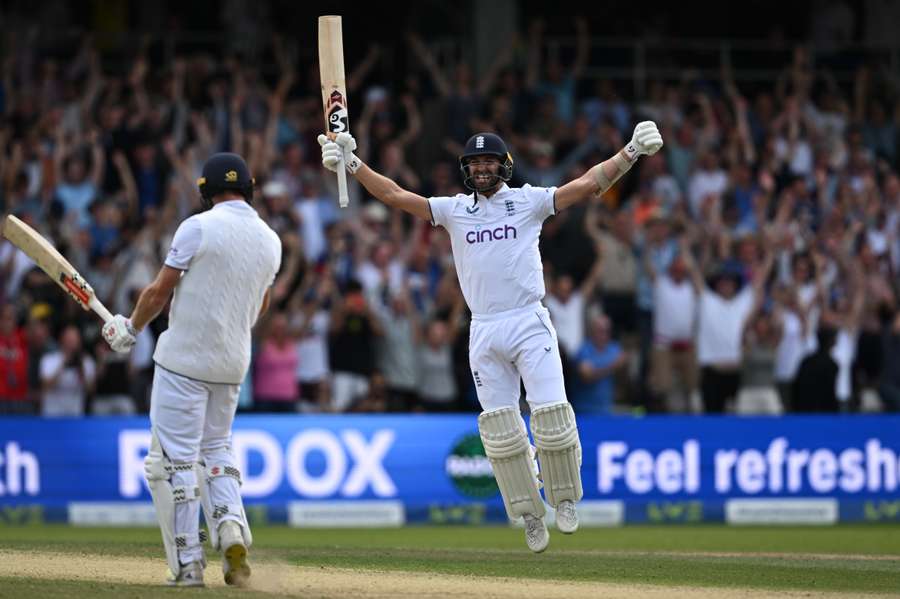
343	197
98	307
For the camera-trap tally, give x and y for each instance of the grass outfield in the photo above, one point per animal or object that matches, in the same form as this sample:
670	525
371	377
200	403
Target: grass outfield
709	560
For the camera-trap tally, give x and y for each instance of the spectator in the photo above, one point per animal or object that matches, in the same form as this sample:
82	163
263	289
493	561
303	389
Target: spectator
68	376
275	383
722	315
816	383
78	187
354	329
310	324
14	358
437	386
889	390
567	306
598	360
673	363
113	390
399	352
619	267
657	251
798	340
758	394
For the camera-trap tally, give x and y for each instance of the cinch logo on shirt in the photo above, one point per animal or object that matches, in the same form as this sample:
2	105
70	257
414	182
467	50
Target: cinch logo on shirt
480	235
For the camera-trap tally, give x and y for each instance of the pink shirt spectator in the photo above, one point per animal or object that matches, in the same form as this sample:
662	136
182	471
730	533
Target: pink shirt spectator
275	372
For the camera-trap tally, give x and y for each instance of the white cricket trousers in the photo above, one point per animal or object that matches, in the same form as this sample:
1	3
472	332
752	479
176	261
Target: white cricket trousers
192	420
516	343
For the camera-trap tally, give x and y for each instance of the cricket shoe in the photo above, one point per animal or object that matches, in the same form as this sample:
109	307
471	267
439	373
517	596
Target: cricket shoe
566	517
234	554
536	534
191	575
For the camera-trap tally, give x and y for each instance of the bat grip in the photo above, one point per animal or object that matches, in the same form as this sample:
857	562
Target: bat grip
343	197
98	307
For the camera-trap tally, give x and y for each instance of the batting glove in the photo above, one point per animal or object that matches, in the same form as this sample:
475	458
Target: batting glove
646	140
120	334
341	148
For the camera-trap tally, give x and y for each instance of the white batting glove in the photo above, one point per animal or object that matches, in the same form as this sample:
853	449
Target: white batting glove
120	334
342	147
646	140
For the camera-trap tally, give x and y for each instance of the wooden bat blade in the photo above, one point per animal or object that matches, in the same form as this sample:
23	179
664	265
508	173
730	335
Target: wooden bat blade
53	263
334	88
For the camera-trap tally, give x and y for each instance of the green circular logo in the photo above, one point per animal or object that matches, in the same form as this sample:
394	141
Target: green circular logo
470	469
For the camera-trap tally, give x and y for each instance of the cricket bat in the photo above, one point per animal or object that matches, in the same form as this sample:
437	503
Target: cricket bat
334	89
51	262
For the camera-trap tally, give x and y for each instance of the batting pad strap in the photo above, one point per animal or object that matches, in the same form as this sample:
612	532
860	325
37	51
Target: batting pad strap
183	494
184	541
559	451
506	445
216	470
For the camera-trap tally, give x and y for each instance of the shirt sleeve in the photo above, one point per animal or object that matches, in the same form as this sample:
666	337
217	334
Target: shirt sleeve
49	364
185	244
541	200
277	259
441	209
745	301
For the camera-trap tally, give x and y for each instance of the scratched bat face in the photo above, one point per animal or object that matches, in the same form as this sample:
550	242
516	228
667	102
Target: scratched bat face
337	120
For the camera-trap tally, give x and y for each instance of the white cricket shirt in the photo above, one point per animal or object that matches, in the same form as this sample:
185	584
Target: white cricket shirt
230	257
495	245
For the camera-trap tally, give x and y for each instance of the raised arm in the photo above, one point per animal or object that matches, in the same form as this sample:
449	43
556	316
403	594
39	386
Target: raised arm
582	46
413	119
424	54
129	187
691	265
599	178
593	279
760	277
384	189
98	158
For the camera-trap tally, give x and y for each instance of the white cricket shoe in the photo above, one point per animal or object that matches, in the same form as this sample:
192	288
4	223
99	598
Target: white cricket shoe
234	554
566	517
536	534
191	575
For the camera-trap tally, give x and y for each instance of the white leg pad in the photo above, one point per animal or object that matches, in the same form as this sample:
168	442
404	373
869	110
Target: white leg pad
506	445
221	500
161	473
559	452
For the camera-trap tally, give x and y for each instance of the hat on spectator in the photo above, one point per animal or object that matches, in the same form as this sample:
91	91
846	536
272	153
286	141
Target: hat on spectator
727	270
39	311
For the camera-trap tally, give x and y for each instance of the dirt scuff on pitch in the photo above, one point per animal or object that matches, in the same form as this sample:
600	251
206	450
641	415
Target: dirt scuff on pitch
285	580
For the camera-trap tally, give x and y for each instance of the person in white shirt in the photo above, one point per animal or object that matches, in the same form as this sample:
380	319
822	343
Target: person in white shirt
67	377
673	362
494	234
723	312
567	305
220	268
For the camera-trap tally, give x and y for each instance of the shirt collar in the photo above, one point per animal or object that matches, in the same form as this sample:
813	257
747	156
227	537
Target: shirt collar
503	188
236	203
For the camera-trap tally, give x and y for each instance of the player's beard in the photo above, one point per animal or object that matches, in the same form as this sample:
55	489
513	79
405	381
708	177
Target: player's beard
491	183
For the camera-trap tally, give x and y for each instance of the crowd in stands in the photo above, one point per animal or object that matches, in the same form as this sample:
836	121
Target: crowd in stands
750	266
